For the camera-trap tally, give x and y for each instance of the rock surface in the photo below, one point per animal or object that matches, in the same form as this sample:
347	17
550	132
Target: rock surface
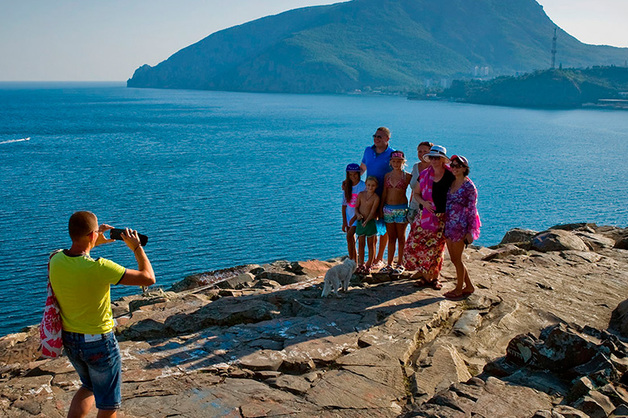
531	341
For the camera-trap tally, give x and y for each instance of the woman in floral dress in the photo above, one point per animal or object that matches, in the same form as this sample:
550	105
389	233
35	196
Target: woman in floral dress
425	245
462	225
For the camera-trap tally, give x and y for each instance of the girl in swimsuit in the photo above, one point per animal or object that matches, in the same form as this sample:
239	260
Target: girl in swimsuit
351	187
394	208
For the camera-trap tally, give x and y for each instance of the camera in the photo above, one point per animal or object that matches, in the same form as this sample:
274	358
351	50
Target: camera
117	235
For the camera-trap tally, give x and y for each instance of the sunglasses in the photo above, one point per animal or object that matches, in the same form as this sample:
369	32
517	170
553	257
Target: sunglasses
433	157
456	166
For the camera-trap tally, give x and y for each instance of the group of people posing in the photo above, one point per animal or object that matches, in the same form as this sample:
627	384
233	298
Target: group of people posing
441	211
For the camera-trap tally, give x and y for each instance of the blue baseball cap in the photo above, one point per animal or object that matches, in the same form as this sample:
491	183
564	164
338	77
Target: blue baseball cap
353	167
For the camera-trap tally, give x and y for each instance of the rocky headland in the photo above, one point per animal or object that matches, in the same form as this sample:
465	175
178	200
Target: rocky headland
544	335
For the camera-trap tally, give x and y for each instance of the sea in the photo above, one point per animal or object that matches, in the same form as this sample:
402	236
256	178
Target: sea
218	179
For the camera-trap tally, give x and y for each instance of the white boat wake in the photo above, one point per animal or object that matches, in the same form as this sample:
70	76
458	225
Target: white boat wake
15	140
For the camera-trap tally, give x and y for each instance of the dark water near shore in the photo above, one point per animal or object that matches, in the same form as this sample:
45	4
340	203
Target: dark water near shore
217	179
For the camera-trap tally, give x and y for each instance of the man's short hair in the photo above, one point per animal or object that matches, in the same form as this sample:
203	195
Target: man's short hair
385	130
81	224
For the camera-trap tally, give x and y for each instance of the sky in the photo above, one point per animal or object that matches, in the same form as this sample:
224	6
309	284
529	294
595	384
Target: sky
106	40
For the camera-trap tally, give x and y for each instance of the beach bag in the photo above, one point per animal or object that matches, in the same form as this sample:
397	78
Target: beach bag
50	328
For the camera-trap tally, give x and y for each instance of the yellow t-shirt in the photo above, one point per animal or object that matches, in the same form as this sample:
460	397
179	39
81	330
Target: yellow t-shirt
82	287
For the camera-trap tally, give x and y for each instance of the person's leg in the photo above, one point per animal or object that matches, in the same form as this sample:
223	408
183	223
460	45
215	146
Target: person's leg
371	244
105	369
455	249
391	231
468	286
103	413
383	243
82	402
400	230
361	245
351	244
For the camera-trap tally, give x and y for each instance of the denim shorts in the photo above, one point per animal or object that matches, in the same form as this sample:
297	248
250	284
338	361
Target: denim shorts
97	361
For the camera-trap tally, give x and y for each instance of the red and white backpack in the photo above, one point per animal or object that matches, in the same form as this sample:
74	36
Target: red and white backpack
51	328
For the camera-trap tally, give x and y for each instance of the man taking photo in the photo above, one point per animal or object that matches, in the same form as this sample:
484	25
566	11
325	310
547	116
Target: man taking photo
82	288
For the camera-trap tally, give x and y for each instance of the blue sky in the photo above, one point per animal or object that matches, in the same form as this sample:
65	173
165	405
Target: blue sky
72	40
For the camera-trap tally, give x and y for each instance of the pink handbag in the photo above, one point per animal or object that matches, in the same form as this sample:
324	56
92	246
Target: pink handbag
51	328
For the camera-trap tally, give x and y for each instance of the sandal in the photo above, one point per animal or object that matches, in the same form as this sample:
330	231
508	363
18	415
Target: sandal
386	270
453	294
360	269
398	270
436	284
378	265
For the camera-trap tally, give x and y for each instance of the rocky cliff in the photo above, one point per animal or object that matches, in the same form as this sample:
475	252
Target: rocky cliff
259	341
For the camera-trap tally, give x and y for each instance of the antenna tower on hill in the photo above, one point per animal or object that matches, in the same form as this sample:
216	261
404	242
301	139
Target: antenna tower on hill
554	49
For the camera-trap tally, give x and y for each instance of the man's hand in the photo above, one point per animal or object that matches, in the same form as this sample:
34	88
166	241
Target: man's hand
131	239
101	237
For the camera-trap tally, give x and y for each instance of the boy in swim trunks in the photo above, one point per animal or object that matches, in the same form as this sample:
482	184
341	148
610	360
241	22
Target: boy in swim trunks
365	212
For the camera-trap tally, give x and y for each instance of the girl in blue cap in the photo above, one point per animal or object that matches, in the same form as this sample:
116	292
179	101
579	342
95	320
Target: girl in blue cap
351	187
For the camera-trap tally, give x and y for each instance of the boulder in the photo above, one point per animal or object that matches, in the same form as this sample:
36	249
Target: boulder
567	411
558	240
211	278
311	268
518	235
151	299
620	412
619	319
595	242
579	226
280	274
622	243
613	232
595	405
229	313
237	282
504	251
565	348
523	349
262	360
21	347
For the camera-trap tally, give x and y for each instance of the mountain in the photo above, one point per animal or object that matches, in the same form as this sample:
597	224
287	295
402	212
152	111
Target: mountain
390	45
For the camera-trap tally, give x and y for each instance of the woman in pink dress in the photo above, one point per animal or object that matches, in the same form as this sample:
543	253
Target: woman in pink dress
425	245
462	225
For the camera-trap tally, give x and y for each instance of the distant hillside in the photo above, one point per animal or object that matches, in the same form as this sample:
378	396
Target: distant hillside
567	88
390	45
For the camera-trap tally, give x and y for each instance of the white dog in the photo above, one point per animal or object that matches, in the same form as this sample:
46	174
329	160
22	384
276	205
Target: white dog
338	275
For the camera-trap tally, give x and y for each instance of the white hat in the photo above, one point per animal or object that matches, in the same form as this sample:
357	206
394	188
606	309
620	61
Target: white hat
436	151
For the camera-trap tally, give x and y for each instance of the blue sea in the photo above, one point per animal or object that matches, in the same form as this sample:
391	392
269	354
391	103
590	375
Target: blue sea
217	179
